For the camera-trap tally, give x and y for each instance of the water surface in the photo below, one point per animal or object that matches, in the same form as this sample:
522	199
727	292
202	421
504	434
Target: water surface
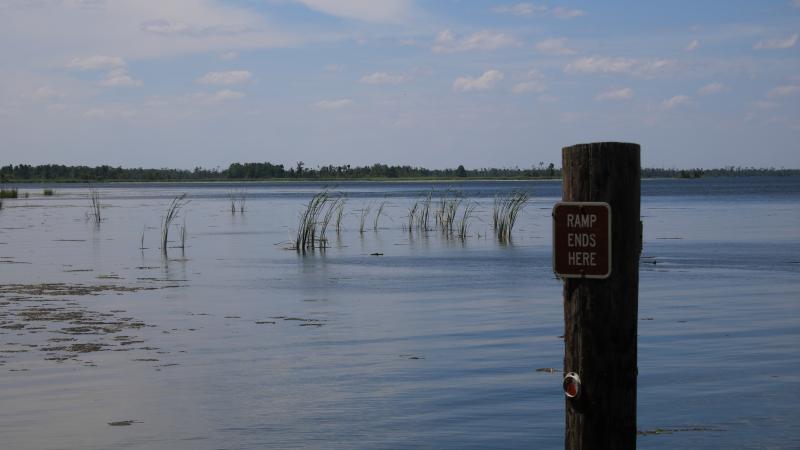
435	342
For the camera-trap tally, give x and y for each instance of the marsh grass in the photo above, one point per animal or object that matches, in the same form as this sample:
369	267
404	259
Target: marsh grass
173	210
424	213
238	200
307	228
463	225
182	234
505	212
378	216
340	214
412	212
48	192
334	209
447	211
9	193
95	206
363	217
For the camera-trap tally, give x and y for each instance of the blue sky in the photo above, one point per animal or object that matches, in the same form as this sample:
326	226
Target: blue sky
186	83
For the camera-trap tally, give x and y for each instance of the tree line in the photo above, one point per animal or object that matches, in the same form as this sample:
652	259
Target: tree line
269	171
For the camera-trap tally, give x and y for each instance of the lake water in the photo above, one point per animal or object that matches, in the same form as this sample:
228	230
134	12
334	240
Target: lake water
386	339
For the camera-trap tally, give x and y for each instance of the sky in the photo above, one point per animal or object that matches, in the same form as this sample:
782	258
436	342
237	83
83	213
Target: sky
187	83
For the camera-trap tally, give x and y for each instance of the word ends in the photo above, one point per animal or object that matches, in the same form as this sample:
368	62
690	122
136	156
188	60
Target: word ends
582	240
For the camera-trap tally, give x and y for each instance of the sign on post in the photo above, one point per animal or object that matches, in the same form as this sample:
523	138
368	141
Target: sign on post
582	240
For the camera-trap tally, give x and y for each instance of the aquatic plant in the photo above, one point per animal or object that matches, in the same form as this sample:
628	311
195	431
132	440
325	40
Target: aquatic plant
48	192
307	228
182	234
237	199
424	212
340	214
363	217
378	216
446	211
505	212
334	208
94	206
463	225
411	213
173	210
9	193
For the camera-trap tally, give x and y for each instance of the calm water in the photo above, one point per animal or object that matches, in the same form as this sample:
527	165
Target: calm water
239	343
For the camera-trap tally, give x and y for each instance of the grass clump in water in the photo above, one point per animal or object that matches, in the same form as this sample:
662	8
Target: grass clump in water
173	210
9	193
505	212
48	192
306	238
95	206
378	216
363	217
238	199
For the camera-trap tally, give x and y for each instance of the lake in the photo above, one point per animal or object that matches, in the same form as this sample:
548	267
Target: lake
388	338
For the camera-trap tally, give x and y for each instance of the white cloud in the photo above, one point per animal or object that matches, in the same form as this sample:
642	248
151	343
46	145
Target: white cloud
783	91
520	9
366	10
52	30
383	78
96	62
777	43
692	46
447	42
555	46
333	104
110	113
676	101
481	83
628	66
119	78
531	9
219	96
567	13
226	78
711	88
535	86
618	94
46	93
534	82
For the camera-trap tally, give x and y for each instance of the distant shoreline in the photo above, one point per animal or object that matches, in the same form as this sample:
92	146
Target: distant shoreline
267	172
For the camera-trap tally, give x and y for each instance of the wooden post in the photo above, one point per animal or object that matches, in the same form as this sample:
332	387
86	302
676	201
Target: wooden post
600	315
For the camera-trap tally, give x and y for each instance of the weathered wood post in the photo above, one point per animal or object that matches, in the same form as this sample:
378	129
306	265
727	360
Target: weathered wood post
600	303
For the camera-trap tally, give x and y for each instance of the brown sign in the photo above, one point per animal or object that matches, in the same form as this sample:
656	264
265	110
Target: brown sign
582	240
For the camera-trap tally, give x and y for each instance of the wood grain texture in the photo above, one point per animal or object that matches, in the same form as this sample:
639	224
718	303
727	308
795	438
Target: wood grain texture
600	316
